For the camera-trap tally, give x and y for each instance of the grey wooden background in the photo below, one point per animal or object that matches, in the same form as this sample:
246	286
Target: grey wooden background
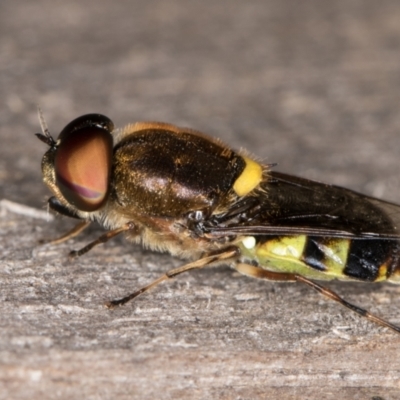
313	85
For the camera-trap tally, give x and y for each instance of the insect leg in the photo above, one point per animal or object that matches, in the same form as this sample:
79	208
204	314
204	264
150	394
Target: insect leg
227	254
334	296
76	230
103	239
256	272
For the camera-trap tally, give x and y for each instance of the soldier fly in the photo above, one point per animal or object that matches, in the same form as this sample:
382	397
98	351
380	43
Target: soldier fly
180	191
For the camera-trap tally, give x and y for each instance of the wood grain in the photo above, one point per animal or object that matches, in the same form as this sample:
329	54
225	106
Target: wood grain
312	85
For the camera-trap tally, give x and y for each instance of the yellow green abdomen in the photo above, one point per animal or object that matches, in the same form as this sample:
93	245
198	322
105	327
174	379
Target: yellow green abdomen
323	258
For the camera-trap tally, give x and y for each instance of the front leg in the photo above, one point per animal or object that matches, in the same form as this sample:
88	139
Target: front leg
75	231
129	226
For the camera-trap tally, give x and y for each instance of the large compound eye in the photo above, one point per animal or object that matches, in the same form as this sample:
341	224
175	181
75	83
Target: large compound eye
83	161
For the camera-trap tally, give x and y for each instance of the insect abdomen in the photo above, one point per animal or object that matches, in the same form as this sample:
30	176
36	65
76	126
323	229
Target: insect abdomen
326	258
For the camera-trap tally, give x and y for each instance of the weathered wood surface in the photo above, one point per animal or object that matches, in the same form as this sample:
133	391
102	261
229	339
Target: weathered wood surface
312	85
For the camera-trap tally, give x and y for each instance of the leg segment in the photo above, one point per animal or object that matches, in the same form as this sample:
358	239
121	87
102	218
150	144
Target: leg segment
75	231
103	239
227	254
335	297
257	272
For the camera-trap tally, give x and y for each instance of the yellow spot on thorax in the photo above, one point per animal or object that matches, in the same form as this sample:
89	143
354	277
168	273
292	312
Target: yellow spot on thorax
249	178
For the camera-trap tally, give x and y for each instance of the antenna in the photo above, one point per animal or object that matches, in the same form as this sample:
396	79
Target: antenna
45	135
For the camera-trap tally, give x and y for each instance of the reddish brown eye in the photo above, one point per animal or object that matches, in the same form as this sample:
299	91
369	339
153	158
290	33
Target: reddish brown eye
83	161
